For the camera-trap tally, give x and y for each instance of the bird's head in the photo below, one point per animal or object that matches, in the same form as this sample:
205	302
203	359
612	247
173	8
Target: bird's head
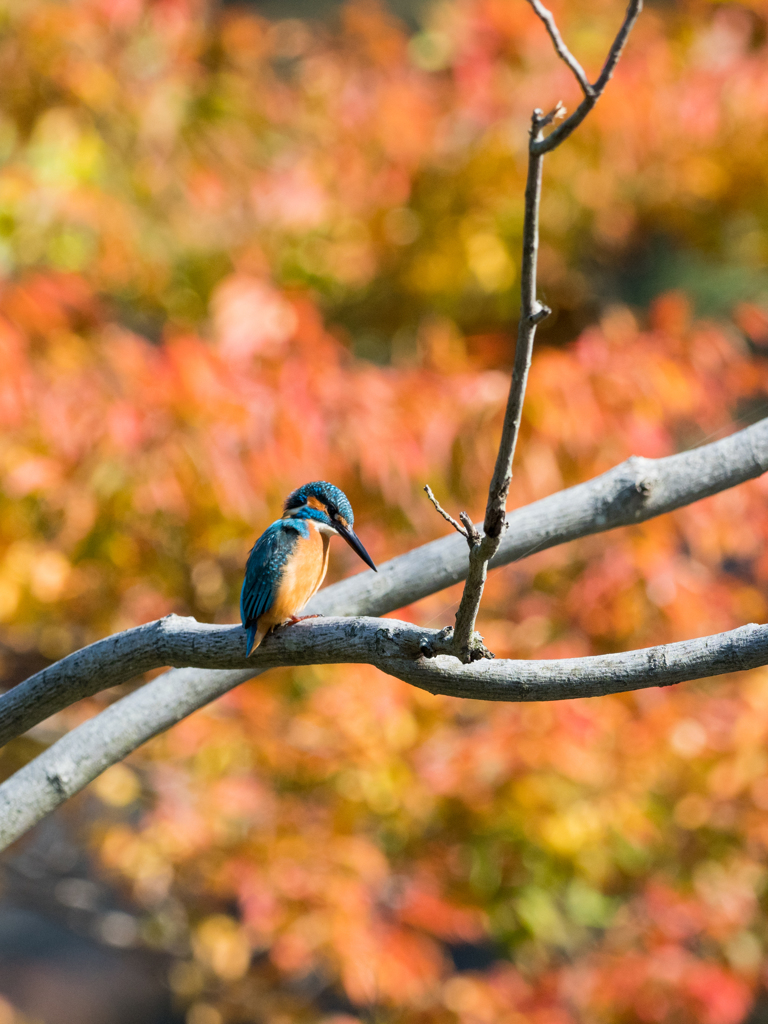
328	506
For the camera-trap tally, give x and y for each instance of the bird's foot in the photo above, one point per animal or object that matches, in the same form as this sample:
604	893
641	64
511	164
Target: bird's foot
300	618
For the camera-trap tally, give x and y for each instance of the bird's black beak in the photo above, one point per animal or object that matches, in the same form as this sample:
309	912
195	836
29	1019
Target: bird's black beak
353	540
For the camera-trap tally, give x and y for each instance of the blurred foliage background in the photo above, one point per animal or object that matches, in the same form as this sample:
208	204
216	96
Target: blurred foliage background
238	254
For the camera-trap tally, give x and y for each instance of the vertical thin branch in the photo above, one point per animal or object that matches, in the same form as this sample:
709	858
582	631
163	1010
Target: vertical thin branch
467	645
531	314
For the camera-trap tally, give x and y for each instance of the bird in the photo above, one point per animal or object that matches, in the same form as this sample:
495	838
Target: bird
288	562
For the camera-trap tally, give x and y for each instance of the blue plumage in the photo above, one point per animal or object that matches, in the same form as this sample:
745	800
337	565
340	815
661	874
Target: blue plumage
264	569
288	562
329	495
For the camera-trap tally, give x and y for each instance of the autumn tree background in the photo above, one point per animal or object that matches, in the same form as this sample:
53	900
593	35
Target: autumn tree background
238	254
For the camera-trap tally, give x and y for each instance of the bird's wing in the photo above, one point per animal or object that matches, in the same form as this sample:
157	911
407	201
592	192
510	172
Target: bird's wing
264	569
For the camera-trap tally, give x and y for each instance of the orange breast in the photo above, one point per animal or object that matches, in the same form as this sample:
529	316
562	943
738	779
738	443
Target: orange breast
302	575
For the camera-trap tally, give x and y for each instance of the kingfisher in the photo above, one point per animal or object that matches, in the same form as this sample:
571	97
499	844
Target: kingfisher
288	562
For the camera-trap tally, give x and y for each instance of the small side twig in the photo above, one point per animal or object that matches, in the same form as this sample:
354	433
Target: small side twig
473	534
562	50
463	530
532	312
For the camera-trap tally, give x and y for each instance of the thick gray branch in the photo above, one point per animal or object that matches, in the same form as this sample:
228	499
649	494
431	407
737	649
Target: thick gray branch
631	492
395	647
635	490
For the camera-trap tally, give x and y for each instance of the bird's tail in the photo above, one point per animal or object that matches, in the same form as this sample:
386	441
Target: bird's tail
253	639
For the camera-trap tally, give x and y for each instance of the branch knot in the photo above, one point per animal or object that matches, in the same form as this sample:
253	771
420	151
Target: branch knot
539	314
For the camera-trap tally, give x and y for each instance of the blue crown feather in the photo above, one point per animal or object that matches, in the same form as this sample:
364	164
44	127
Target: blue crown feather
330	495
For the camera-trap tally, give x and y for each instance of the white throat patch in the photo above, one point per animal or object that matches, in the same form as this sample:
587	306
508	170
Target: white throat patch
324	528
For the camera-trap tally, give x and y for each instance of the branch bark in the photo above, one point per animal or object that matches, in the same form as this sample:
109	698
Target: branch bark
635	490
632	492
467	645
398	648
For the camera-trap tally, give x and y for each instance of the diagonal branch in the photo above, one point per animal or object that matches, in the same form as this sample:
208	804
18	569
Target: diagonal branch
635	490
632	492
398	648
